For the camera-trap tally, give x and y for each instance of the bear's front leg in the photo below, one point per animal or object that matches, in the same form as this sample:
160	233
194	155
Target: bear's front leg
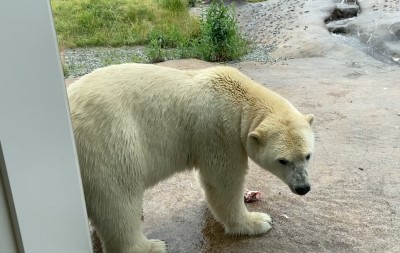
224	195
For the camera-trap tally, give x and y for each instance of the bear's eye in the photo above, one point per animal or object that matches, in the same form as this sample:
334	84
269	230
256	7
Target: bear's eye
308	157
283	161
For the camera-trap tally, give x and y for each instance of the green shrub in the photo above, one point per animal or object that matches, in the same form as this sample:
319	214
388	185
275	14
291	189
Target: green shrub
154	52
220	38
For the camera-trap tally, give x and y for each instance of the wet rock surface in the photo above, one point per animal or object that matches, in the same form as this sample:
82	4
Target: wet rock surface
341	16
297	28
377	28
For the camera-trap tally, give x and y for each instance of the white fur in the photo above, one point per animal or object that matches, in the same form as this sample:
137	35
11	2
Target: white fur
136	125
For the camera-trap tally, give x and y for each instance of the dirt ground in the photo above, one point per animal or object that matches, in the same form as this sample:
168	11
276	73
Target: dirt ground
354	204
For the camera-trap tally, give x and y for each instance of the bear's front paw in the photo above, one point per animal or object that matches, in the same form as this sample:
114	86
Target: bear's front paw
253	224
157	246
149	246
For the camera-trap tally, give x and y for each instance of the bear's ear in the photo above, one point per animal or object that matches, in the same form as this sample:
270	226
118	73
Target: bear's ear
254	135
309	118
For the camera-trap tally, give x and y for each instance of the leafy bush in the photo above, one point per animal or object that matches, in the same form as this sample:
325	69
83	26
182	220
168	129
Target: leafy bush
154	52
220	38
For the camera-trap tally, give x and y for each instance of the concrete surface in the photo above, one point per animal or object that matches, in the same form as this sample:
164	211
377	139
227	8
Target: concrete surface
354	204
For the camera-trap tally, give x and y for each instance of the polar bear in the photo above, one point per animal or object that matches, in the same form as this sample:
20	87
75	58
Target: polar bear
137	124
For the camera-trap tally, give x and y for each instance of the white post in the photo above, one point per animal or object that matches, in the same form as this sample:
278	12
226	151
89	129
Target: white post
41	199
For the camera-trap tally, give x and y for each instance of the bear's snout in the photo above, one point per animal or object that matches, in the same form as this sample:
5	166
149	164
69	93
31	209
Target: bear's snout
302	190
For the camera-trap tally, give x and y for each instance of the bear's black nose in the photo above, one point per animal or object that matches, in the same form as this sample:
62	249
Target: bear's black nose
302	190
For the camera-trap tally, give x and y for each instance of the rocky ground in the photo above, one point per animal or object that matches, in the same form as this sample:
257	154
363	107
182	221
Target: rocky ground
298	28
354	205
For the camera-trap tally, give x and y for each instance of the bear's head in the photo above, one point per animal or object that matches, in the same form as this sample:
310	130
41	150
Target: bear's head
284	147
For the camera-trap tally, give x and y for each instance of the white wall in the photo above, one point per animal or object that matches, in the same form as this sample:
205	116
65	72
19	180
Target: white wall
41	171
7	238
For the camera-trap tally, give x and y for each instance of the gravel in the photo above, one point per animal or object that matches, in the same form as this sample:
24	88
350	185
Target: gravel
80	61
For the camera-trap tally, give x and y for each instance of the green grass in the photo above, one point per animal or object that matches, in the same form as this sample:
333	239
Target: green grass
218	40
82	23
164	26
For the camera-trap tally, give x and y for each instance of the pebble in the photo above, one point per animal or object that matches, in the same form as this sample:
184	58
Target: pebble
80	61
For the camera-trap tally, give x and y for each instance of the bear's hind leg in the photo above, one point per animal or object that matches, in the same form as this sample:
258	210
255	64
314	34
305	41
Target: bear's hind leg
117	220
224	196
